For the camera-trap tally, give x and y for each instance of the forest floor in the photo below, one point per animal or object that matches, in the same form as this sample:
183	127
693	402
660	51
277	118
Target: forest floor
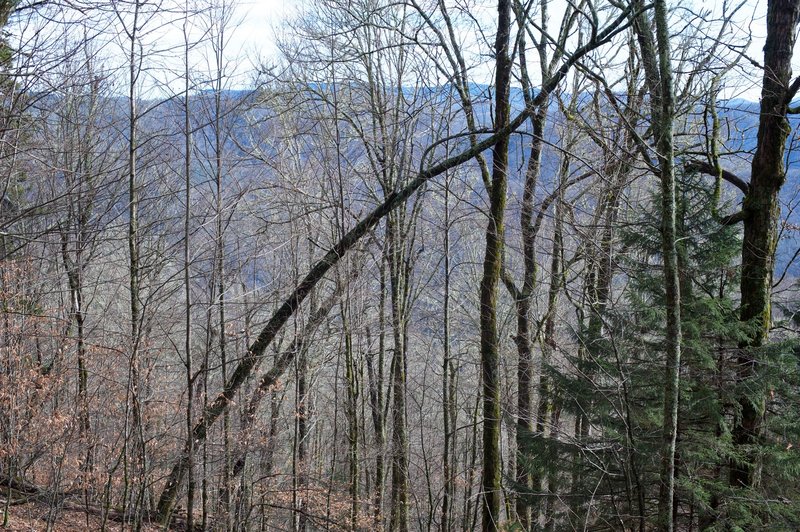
32	516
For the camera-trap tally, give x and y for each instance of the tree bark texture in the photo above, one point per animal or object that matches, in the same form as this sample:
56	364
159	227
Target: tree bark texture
493	258
658	74
761	214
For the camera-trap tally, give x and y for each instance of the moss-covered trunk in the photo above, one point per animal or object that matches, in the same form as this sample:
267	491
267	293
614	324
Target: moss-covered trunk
493	258
761	214
658	74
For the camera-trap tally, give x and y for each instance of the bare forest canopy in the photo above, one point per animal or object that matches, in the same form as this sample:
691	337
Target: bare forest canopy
435	265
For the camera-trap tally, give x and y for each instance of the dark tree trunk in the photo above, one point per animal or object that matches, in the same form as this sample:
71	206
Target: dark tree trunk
397	283
761	213
490	352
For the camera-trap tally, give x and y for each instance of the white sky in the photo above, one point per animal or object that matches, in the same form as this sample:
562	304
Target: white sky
257	22
262	19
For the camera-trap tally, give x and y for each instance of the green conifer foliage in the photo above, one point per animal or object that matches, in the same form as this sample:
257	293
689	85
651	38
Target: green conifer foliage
616	468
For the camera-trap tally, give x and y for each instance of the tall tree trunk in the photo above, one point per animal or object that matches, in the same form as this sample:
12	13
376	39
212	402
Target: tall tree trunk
658	74
397	281
303	414
218	46
134	368
490	349
522	302
375	376
448	378
187	182
523	296
546	402
761	214
351	408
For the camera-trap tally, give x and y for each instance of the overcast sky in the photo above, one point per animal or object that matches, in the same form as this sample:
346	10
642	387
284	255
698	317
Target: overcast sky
261	19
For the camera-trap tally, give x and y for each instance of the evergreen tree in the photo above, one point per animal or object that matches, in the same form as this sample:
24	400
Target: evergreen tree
616	468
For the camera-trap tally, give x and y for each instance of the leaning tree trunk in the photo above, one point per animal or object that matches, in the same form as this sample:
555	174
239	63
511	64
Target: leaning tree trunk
250	359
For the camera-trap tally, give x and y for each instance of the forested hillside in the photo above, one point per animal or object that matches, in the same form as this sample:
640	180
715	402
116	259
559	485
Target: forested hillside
432	265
